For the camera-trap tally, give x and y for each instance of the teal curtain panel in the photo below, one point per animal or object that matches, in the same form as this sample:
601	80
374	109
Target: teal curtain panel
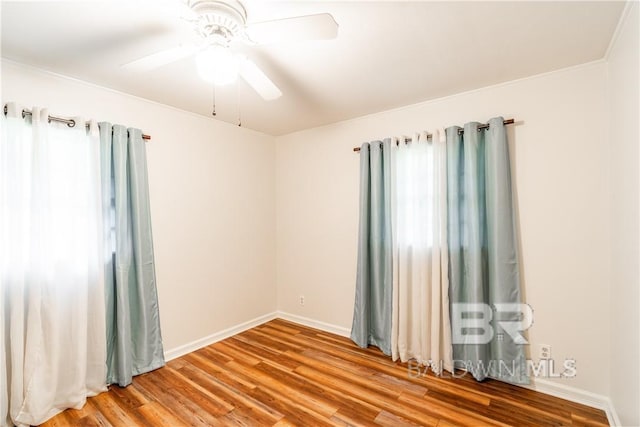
134	340
372	312
483	250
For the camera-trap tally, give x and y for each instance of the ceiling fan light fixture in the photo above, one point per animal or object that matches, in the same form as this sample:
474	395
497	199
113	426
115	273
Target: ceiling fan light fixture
221	25
216	64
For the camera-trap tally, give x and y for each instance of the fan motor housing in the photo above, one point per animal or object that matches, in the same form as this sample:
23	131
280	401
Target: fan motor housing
219	21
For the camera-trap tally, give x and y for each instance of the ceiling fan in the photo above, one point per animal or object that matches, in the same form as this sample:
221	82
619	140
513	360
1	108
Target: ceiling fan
221	25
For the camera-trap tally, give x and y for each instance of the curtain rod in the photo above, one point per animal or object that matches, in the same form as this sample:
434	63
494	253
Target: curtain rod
69	122
460	131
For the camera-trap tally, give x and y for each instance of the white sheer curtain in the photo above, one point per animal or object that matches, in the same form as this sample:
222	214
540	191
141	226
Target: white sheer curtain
52	311
421	328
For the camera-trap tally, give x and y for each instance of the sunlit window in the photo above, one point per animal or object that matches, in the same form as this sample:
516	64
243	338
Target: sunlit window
415	195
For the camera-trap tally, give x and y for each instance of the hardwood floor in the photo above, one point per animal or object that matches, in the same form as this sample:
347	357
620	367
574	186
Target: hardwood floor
283	374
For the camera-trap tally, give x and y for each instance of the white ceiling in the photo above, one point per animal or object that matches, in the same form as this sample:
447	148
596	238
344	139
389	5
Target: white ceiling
387	54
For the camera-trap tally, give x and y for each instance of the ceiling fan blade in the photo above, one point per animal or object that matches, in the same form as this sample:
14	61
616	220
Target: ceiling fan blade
311	27
258	80
158	59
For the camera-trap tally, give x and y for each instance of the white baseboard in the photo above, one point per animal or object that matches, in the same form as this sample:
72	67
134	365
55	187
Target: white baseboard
326	327
218	336
577	395
229	332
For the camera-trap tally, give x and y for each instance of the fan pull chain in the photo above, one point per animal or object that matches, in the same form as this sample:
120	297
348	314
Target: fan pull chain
213	113
238	96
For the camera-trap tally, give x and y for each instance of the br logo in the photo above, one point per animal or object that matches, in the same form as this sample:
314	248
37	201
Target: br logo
478	323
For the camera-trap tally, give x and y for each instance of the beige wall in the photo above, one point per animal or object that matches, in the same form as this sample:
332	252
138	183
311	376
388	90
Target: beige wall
212	202
624	93
560	157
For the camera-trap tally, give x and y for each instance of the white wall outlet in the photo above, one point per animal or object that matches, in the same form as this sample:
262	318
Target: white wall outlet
301	299
545	351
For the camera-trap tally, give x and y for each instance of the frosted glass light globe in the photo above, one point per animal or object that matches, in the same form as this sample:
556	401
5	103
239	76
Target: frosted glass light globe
216	64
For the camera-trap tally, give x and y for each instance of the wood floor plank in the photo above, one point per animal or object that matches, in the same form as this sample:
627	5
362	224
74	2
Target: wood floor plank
371	397
261	414
289	329
278	339
362	415
130	396
96	418
179	405
449	412
75	415
284	374
219	371
192	392
314	360
388	419
297	414
106	404
305	401
275	359
158	415
237	353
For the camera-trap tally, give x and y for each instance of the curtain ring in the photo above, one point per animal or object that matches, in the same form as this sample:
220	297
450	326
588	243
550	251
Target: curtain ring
24	114
71	123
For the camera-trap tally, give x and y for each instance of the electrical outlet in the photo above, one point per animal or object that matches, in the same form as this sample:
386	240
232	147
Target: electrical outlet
545	351
301	299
